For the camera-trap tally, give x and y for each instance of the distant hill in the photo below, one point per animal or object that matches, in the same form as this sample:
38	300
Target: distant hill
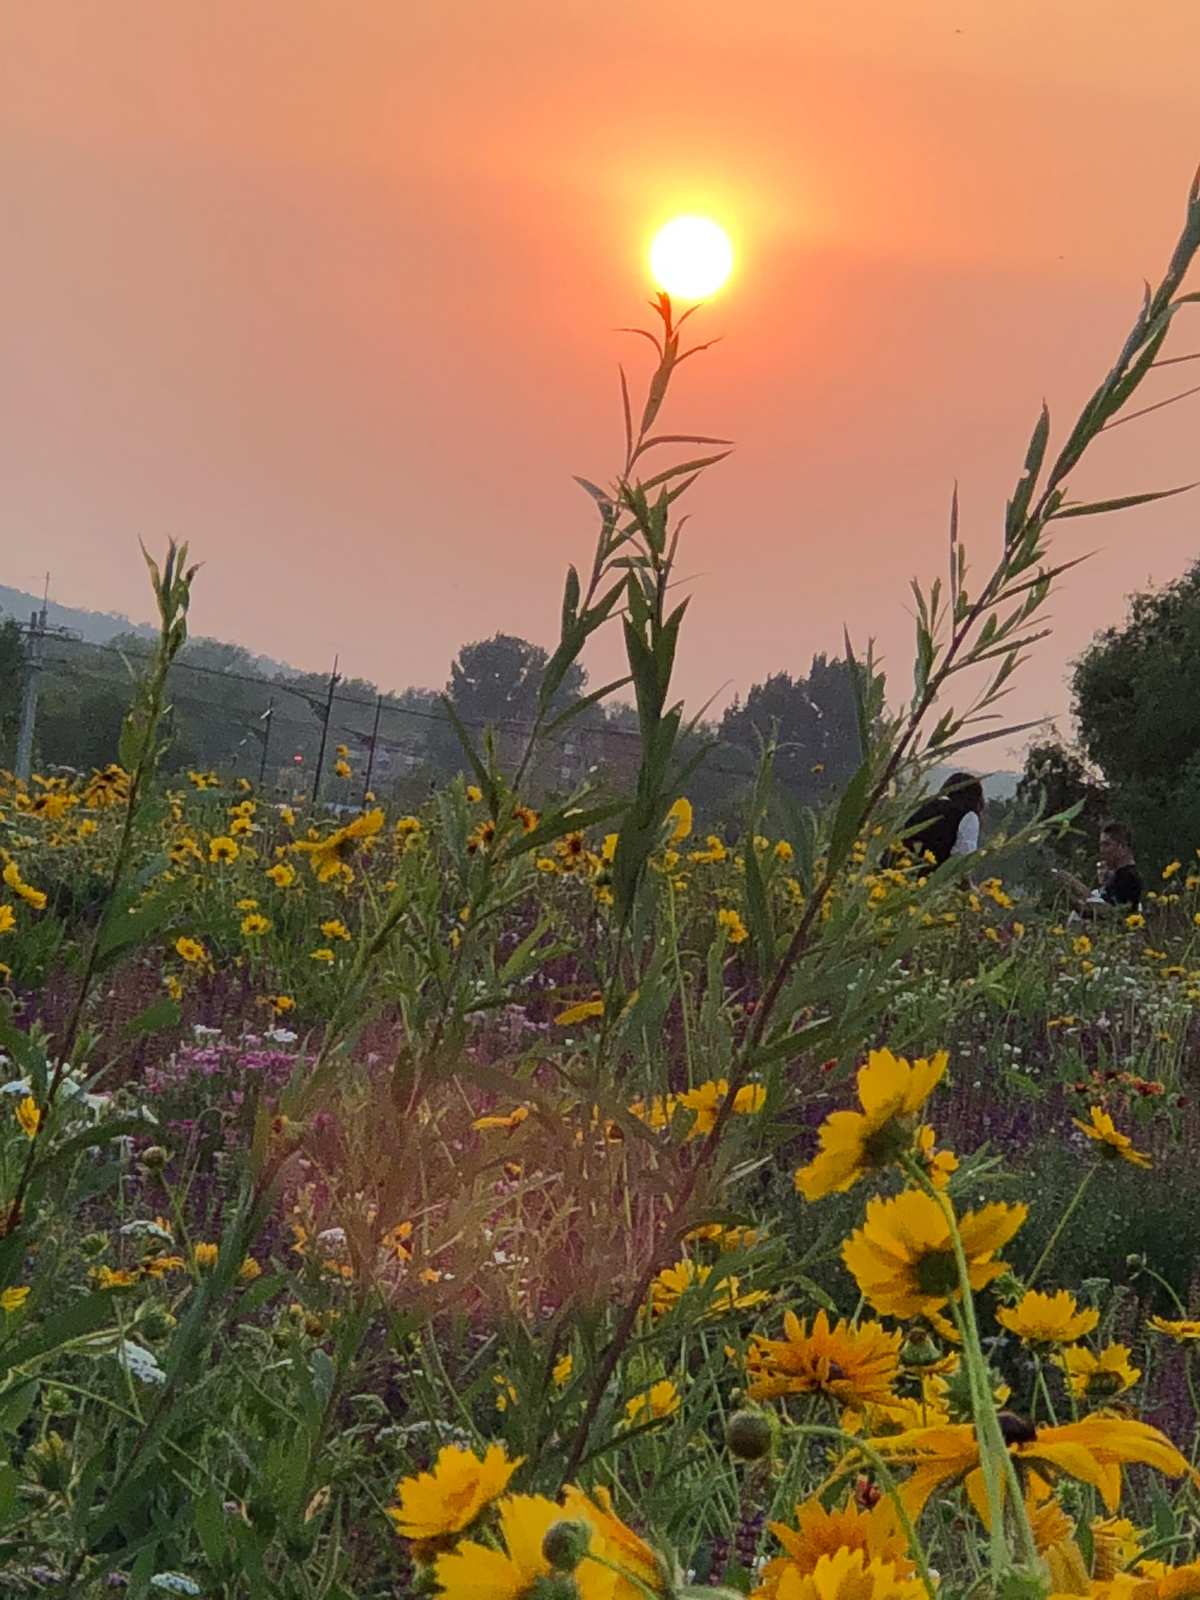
996	785
95	627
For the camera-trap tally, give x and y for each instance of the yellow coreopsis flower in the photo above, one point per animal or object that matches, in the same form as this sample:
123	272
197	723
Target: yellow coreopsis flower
562	1370
1099	1377
204	1256
847	1575
680	818
451	1496
29	1116
335	928
515	1572
706	1100
223	849
1102	1132
855	1365
341	768
13	1299
330	856
240	826
672	1283
282	874
853	1143
1135	920
1184	1331
819	1533
255	924
281	1003
190	950
8	920
324	954
660	1400
735	929
114	1278
31	896
902	1258
1048	1319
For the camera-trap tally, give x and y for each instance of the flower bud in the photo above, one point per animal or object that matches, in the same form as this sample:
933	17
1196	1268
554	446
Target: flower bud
566	1544
920	1351
749	1435
93	1245
155	1158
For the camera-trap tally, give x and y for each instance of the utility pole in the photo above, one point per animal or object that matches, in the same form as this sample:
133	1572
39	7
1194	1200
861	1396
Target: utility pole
265	719
334	680
374	742
29	698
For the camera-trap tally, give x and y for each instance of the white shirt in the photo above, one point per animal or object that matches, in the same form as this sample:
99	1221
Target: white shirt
966	841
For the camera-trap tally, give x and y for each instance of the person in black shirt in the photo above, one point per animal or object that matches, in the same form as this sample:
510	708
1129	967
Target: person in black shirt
1120	887
947	824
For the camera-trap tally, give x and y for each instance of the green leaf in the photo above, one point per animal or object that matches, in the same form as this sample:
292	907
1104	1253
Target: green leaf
16	1404
1018	506
9	1482
208	1518
85	1316
848	819
164	1013
1122	503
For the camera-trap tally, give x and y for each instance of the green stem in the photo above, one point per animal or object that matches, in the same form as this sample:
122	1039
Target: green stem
1058	1231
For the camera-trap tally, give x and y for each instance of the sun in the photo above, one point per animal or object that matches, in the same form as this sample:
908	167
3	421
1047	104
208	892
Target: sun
691	257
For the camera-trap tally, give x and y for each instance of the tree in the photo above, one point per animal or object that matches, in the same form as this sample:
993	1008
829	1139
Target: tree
814	722
12	679
495	683
1056	778
1137	704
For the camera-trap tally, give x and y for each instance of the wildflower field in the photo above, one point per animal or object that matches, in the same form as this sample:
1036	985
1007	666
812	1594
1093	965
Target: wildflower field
541	1197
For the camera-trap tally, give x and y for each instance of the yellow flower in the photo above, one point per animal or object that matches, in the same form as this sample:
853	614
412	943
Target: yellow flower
1114	1144
8	920
580	1013
448	1499
1082	946
643	1571
205	1256
1116	1544
255	924
341	768
784	851
1047	1319
819	1533
29	1116
562	1369
1135	920
330	857
1091	1451
158	1266
847	1575
110	1278
474	793
190	950
853	1143
680	818
31	896
1099	1377
735	929
287	816
660	1400
480	1572
854	1365
249	1270
1171	869
324	954
407	826
240	826
506	1394
282	874
940	1165
335	929
223	849
1183	1332
707	1099
508	1121
13	1299
173	987
672	1283
281	1003
248	904
902	1258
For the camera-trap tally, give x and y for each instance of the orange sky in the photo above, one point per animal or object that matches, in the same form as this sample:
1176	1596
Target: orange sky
328	289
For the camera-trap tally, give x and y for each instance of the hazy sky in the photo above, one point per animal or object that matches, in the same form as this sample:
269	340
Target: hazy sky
327	287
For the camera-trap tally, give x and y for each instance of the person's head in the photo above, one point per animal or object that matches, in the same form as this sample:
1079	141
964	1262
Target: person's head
1116	845
966	791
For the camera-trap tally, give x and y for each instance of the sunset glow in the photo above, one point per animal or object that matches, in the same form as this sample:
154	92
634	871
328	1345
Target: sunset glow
691	257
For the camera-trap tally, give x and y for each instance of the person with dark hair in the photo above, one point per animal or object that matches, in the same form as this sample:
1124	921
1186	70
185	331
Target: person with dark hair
1120	885
947	824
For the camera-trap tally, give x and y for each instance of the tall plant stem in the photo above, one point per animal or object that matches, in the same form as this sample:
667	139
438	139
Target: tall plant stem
1060	1226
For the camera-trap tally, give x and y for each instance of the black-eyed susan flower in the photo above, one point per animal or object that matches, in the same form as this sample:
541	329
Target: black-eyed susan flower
240	826
853	1143
1100	1376
854	1365
1092	1451
330	856
1048	1319
222	850
255	924
902	1258
818	1533
1111	1142
452	1495
661	1399
1185	1330
474	794
191	951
